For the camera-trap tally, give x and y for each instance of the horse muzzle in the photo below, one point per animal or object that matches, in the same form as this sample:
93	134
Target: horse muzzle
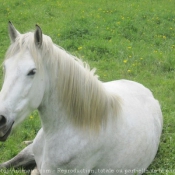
5	131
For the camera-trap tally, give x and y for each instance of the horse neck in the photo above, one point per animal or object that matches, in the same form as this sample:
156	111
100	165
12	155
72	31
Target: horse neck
74	96
53	117
51	112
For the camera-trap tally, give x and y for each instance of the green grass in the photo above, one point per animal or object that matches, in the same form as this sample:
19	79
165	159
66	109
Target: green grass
123	39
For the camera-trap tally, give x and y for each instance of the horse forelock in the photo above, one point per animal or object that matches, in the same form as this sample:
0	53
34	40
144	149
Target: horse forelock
18	46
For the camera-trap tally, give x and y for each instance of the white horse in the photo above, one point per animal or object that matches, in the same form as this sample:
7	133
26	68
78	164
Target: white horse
88	127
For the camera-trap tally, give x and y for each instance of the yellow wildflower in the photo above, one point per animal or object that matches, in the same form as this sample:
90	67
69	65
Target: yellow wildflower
79	48
125	61
31	117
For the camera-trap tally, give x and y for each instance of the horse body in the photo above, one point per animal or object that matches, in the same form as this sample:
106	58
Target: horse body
130	143
88	127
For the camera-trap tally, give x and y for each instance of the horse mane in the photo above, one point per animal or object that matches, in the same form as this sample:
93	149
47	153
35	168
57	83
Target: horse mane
82	94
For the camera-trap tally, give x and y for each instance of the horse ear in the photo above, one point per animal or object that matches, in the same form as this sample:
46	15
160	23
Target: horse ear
13	33
38	37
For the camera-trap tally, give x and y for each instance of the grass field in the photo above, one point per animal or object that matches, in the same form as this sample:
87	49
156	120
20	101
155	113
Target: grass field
123	39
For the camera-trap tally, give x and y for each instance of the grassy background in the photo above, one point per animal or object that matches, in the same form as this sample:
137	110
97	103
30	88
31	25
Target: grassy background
123	39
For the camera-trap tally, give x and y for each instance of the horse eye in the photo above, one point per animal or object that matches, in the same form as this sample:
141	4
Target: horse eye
31	72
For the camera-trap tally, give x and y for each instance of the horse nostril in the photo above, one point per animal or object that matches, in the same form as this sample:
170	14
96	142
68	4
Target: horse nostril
2	120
